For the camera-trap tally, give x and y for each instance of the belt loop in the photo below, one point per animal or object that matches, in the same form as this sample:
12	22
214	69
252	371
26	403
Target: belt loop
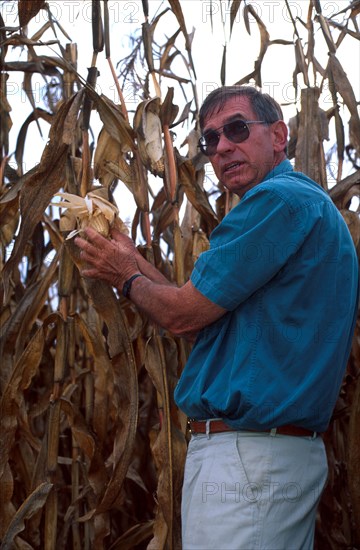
207	429
273	432
314	435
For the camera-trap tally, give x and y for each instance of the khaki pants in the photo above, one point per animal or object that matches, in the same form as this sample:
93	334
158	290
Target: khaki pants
252	491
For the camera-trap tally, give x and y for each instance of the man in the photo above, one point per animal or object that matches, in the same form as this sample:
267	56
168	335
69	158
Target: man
272	304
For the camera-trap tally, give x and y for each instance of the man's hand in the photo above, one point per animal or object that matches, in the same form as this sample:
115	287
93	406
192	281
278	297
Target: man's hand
113	260
184	311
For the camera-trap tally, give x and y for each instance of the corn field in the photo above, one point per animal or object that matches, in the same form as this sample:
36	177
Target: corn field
92	446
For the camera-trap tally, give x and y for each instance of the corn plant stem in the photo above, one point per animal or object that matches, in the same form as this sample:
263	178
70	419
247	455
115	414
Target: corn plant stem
156	84
85	161
171	160
51	506
119	90
93	60
145	213
51	515
53	430
167	427
178	248
179	260
75	493
2	170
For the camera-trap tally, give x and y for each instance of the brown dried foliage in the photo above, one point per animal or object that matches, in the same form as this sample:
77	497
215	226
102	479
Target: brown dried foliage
92	444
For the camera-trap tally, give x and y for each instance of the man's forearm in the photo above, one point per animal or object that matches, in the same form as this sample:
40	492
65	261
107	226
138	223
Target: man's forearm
183	311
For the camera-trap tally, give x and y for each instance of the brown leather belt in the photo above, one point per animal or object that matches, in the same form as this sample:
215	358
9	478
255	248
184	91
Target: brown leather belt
214	426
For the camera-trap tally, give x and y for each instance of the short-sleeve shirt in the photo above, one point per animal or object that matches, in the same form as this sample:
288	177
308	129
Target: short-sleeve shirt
284	266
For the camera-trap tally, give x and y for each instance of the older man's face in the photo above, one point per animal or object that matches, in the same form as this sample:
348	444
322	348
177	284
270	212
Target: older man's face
241	166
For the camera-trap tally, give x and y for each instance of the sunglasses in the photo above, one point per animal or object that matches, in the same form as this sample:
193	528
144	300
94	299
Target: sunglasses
236	131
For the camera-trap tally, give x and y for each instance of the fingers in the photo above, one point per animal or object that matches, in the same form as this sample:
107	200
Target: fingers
93	242
94	236
116	234
119	237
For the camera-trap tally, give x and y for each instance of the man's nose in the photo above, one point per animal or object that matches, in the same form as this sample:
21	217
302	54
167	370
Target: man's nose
224	144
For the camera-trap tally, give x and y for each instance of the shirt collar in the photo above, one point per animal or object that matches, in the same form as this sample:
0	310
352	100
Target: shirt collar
284	166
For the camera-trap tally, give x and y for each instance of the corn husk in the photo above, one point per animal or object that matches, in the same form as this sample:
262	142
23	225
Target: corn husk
148	128
89	211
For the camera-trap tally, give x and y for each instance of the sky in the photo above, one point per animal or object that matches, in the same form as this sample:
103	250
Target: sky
211	33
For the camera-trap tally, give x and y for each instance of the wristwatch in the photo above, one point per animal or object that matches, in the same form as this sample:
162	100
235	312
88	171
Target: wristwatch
127	285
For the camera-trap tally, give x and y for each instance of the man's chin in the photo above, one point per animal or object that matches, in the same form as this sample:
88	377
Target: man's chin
238	186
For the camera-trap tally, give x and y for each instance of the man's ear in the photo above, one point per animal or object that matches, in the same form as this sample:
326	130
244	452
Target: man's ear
279	133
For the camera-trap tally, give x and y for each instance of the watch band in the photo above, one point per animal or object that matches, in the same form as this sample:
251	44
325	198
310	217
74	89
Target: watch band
127	285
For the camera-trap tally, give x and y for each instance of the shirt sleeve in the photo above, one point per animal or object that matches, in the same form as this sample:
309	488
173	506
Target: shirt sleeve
250	246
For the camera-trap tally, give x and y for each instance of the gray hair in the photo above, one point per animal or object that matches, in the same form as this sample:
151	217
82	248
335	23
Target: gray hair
263	105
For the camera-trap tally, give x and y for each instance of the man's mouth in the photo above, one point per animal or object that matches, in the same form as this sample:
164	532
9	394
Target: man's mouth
231	166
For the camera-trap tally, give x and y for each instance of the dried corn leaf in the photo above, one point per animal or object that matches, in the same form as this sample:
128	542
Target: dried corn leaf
129	172
200	244
38	190
162	219
196	195
97	475
134	536
354	131
126	171
114	121
12	397
327	34
342	84
33	503
354	451
21	138
264	43
340	190
28	9
168	110
344	29
233	12
223	67
71	118
103	376
176	8
166	59
17	327
301	66
9	219
344	88
7	509
107	149
353	222
5	118
124	368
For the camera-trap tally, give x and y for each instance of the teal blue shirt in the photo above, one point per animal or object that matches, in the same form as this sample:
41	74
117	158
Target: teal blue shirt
283	264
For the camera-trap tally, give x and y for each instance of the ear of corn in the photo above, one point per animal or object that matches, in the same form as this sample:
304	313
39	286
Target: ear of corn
91	210
147	125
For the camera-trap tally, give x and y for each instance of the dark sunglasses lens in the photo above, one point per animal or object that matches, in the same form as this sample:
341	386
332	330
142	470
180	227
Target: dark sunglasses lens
209	142
236	131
